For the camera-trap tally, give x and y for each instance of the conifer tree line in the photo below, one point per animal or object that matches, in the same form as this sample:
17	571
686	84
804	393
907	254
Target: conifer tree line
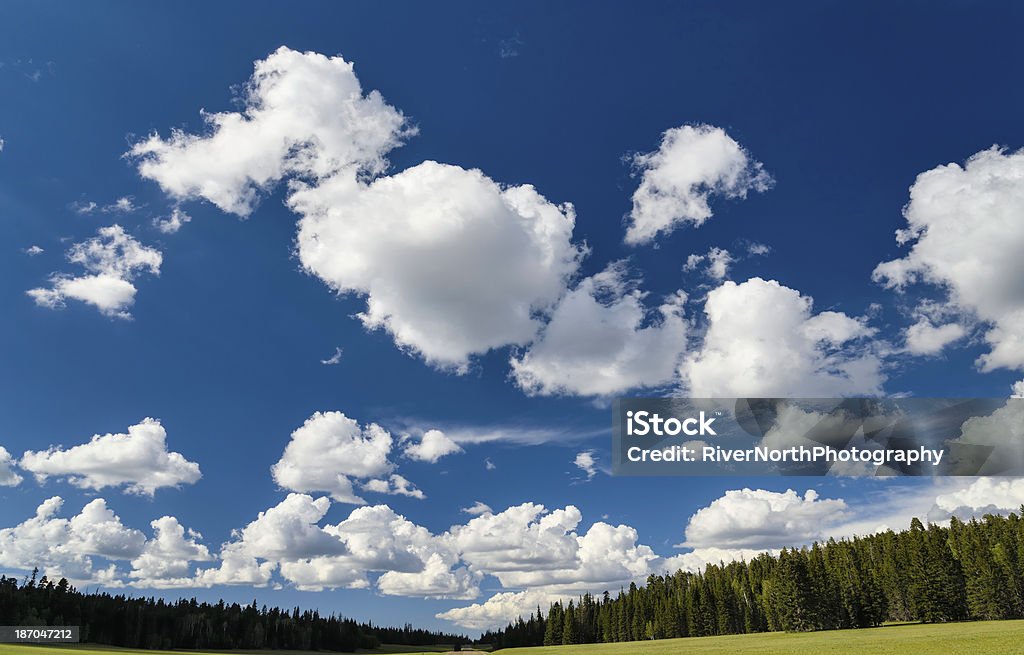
187	624
968	571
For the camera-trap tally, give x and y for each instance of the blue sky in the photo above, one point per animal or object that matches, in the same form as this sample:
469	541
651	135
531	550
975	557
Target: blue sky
841	106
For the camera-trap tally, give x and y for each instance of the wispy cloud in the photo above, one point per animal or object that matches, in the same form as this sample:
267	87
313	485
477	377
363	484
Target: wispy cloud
333	359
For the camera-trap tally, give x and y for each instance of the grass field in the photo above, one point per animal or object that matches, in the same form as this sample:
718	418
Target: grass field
978	638
91	649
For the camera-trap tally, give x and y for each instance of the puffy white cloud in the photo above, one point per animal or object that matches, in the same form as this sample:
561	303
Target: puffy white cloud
526	547
1003	431
287	532
304	115
924	338
33	250
501	608
964	226
600	341
237	567
432	446
716	263
477	508
436	580
982	496
328	451
111	261
523	537
763	340
1017	390
8	477
698	559
756	518
396	485
586	462
96	530
67	547
452	264
288	538
171	224
606	556
164	562
692	163
138	460
414	562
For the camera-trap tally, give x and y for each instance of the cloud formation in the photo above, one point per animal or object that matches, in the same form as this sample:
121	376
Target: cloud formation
304	115
763	340
965	237
756	518
692	164
586	462
452	264
137	460
331	452
86	548
601	340
431	446
172	223
8	477
111	260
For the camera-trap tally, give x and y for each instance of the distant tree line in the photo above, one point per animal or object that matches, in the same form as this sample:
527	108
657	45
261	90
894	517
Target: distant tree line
154	623
933	574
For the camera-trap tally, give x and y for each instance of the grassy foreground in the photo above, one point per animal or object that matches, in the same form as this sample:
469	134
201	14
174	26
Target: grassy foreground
92	649
976	638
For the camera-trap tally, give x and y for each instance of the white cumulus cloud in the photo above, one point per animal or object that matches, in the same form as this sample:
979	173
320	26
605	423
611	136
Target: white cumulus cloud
330	451
762	339
966	234
601	340
982	496
477	508
501	608
586	462
716	263
693	163
756	518
111	260
62	547
305	115
521	538
166	558
138	460
8	477
431	446
451	263
924	338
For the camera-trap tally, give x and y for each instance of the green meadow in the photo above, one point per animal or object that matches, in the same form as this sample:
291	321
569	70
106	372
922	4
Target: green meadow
974	638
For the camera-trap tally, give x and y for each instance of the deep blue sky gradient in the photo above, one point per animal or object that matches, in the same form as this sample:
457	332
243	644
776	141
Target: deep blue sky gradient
844	103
